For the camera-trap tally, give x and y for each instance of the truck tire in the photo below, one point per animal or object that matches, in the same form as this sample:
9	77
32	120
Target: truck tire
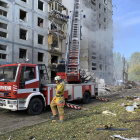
86	97
35	107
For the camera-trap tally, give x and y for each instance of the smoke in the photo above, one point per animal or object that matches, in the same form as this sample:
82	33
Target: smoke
92	35
100	35
90	25
68	4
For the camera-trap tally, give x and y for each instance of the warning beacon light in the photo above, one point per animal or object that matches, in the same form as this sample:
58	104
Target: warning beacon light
68	16
84	16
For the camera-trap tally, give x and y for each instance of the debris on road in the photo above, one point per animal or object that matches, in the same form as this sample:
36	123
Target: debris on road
86	109
108	113
130	97
10	138
118	136
53	121
130	109
135	105
138	99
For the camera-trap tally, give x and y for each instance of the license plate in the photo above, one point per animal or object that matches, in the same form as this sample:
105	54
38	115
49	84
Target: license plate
1	94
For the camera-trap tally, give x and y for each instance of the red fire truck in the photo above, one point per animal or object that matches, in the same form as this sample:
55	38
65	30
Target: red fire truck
22	87
25	87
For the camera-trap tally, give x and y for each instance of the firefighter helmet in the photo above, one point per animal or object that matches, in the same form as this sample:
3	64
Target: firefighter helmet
60	61
57	78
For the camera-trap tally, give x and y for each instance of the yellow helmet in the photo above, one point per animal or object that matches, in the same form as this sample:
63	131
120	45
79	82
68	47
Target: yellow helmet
57	78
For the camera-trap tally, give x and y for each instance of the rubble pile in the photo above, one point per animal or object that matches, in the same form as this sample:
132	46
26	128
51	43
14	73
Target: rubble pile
87	76
130	84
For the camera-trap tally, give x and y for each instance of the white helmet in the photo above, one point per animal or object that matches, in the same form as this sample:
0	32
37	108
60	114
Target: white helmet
57	78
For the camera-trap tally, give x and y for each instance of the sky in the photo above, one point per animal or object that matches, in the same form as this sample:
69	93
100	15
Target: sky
126	24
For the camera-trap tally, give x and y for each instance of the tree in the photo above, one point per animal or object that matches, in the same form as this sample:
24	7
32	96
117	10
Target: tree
134	73
135	59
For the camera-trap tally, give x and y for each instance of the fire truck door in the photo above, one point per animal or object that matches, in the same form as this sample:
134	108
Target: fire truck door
29	80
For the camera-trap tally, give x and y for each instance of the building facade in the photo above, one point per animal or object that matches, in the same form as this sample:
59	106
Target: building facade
97	38
32	31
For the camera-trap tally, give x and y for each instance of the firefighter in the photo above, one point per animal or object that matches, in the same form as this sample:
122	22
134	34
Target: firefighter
61	66
58	100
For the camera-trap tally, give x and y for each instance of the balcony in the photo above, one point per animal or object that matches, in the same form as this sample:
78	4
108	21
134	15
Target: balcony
54	51
57	33
57	11
58	16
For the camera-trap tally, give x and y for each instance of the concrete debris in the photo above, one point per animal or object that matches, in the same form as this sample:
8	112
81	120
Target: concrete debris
131	97
53	121
130	84
87	76
137	99
10	138
107	89
135	105
118	136
108	113
86	109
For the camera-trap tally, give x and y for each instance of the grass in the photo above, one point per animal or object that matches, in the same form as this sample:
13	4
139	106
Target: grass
82	125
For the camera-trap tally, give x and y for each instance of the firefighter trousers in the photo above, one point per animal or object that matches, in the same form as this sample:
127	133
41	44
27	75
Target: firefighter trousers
60	108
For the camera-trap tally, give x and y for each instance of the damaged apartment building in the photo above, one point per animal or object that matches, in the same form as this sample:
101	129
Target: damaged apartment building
32	31
97	38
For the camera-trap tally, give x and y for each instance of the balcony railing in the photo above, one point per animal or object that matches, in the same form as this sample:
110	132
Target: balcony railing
56	14
54	50
56	32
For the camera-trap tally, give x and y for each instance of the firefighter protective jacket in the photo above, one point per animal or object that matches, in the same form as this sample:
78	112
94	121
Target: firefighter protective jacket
59	100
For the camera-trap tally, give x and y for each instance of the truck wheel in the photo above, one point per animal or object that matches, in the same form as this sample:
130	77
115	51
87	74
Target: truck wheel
35	107
86	97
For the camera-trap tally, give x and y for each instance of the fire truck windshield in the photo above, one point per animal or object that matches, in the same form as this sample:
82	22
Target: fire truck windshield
8	74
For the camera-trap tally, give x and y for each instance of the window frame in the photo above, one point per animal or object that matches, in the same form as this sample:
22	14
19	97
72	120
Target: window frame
5	33
38	57
5	24
24	1
43	39
23	56
4	46
4	11
26	15
38	5
26	34
3	54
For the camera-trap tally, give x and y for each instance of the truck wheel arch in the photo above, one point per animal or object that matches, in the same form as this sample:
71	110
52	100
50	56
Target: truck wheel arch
35	95
35	106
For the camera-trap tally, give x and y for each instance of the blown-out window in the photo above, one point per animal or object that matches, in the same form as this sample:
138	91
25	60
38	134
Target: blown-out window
40	56
22	53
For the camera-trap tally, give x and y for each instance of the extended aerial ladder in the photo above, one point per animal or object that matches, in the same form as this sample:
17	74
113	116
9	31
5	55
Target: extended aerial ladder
72	62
